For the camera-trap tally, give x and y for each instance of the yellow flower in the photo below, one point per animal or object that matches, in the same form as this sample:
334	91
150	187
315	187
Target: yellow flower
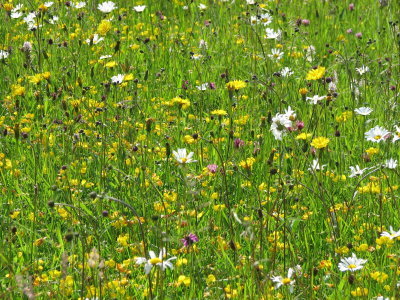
236	85
315	74
372	151
182	279
320	142
303	91
210	279
359	292
123	240
17	90
248	163
104	27
219	112
379	276
303	136
110	64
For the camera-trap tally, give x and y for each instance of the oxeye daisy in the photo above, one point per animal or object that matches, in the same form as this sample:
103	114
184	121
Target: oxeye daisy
139	8
106	7
377	134
182	157
391	234
363	111
155	261
351	263
282	281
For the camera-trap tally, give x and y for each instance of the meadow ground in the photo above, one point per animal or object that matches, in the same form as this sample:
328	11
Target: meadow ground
216	149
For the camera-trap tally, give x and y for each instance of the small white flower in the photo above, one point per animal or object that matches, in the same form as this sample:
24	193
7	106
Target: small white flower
362	70
196	56
377	134
182	157
155	261
315	99
16	14
351	263
203	44
286	72
96	39
281	281
105	56
48	4
265	19
4	54
202	6
203	87
392	234
53	20
363	111
310	53
356	171
250	2
118	78
272	34
391	163
315	166
281	123
139	8
79	5
276	54
106	7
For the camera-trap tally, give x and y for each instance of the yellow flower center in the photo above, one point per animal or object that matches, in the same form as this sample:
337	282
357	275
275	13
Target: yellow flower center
184	160
155	260
286	280
377	137
352	266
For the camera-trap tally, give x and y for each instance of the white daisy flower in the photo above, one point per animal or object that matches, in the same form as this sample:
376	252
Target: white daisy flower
286	72
351	263
272	34
203	87
276	54
265	19
315	166
281	123
363	111
362	70
377	134
315	99
79	5
139	8
392	234
182	157
391	163
281	281
96	39
356	171
117	79
202	6
106	7
48	4
3	54
155	261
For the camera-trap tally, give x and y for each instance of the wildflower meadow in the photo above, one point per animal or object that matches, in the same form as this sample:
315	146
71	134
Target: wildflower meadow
199	149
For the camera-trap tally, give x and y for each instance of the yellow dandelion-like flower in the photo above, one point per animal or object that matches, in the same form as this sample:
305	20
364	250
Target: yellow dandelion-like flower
315	74
320	142
236	85
104	27
219	112
17	90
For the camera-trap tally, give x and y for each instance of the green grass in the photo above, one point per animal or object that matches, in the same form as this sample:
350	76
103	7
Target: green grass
89	180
